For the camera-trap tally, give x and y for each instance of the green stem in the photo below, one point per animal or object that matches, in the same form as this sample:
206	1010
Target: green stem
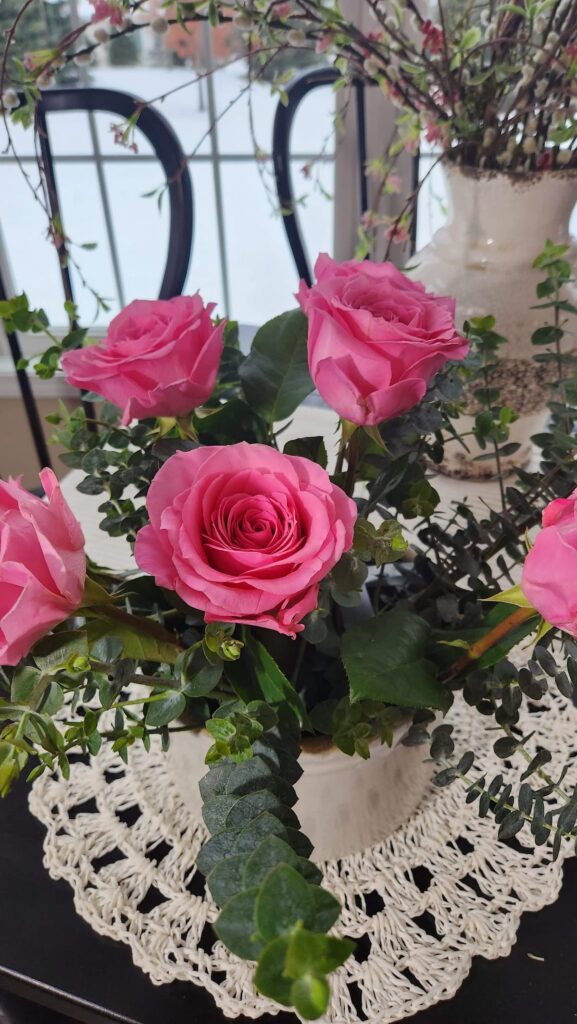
145	627
544	776
299	660
352	463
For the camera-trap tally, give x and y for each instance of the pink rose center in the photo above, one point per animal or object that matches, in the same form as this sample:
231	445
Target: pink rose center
255	522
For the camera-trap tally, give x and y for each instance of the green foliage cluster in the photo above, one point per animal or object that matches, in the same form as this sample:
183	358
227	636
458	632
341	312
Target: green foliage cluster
274	910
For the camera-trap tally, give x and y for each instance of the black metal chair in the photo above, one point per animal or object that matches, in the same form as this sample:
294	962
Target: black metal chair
170	155
295	92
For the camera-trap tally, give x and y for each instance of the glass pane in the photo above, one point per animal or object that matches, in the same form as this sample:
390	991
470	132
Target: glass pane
262	274
204	274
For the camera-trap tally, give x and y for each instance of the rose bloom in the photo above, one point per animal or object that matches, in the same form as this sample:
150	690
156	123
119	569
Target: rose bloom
245	533
375	338
549	579
42	565
159	358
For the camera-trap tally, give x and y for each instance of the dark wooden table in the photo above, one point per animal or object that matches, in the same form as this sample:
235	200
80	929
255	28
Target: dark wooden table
51	957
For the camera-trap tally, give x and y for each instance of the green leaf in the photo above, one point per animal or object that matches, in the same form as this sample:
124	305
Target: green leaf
23	684
272	851
326	910
320	953
385	660
273	684
55	651
226	879
470	39
310	996
270	979
161	712
513	596
283	900
385	543
312	448
275	376
547	335
235	925
139	646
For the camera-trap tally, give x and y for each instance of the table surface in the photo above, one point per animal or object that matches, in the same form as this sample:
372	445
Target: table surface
52	957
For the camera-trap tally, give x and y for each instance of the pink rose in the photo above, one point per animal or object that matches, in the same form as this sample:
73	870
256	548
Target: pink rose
549	579
244	533
375	338
42	565
160	358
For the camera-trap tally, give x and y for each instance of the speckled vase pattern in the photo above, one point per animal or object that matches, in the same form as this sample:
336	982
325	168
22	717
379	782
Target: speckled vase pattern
497	225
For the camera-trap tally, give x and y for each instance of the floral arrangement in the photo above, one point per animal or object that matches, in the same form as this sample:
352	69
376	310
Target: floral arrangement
252	555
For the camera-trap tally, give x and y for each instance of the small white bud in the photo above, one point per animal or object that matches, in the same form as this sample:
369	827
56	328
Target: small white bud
10	99
391	24
526	75
490	32
46	80
373	67
393	73
511	145
159	25
558	117
529	146
552	41
82	59
242	20
540	23
504	159
489	137
101	35
541	88
531	126
564	156
296	37
484	17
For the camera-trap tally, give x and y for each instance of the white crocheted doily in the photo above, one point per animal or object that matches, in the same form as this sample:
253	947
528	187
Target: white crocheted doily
422	903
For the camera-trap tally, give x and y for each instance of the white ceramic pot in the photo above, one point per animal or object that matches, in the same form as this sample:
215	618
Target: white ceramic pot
345	804
497	225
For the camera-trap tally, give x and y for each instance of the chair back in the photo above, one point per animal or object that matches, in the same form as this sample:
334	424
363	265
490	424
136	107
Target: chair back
172	158
295	92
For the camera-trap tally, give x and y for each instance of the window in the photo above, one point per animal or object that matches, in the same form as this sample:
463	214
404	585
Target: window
240	258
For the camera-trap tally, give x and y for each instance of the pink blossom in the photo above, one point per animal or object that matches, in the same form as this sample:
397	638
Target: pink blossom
394	184
397	233
245	533
323	42
159	358
550	569
433	37
42	565
107	9
375	338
